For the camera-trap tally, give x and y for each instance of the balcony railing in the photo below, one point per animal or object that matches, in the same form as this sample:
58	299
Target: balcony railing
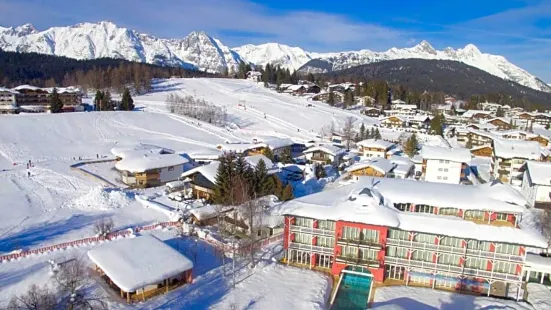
455	250
359	243
313	231
454	269
310	248
359	261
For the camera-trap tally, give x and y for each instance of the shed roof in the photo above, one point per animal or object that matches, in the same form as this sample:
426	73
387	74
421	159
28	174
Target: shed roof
148	162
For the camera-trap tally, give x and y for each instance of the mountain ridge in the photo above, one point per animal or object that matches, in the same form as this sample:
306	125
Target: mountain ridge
200	51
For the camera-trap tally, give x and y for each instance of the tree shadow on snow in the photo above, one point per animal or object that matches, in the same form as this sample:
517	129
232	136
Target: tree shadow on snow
42	233
404	303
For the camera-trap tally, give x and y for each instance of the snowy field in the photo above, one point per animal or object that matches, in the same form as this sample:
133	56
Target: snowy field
411	298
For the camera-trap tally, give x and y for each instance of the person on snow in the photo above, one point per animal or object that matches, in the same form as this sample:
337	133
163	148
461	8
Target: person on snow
28	174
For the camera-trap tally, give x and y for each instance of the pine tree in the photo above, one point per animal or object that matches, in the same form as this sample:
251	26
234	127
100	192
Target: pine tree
377	135
127	103
269	154
278	191
243	169
411	145
223	181
372	133
499	112
469	143
56	105
362	132
287	193
331	98
107	103
260	175
286	157
319	171
436	125
98	100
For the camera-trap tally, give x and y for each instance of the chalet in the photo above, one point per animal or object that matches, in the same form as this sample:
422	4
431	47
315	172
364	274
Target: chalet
337	138
482	126
509	156
208	215
527	116
441	236
482	151
325	154
478	115
8	103
462	134
405	168
296	90
142	267
324	96
371	112
445	165
420	122
32	99
542	140
312	89
254	76
203	179
375	147
515	134
364	100
377	167
479	137
542	119
393	122
500	123
536	183
140	149
151	170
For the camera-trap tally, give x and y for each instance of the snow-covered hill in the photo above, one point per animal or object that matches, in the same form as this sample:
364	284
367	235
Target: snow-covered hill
201	51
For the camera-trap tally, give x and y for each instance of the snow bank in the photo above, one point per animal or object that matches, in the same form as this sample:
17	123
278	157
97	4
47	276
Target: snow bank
101	198
539	296
144	201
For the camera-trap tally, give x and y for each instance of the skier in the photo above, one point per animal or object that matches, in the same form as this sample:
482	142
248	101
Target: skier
28	174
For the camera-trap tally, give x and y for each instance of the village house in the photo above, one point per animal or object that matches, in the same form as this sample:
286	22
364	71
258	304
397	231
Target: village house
478	115
536	183
150	170
32	99
479	137
445	165
461	134
8	103
543	119
254	76
509	156
364	100
482	150
324	96
377	167
71	98
500	123
202	180
525	116
542	140
324	154
393	122
374	147
482	126
381	225
371	112
405	167
140	149
140	268
420	122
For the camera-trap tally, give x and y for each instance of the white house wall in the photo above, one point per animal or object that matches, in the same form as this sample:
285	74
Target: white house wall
528	190
167	176
443	171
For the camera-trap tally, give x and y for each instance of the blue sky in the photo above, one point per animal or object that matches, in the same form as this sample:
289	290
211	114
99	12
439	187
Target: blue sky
520	30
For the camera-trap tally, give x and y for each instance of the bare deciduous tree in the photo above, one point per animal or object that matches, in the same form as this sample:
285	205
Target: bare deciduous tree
36	298
73	280
196	108
252	211
103	226
348	131
545	227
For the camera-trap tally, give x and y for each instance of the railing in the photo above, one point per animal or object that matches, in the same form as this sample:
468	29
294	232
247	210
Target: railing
313	231
358	261
450	268
499	256
310	248
425	246
360	243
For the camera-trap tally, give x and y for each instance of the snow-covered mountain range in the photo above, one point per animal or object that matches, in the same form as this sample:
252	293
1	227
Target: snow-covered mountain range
201	51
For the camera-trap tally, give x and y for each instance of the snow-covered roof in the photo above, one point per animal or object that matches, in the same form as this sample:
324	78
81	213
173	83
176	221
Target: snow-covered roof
208	171
460	155
209	211
505	120
538	262
139	150
276	143
380	164
255	159
401	106
296	87
420	118
26	87
503	192
63	90
483	126
326	148
482	133
366	202
134	263
375	143
392	116
403	164
517	149
471	113
175	184
147	162
398	101
7	90
540	172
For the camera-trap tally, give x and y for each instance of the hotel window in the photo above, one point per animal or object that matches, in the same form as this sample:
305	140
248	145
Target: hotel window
450	241
396	252
445	169
501	216
448	259
505	248
440	169
476	263
349	251
484	246
350	233
505	267
398	234
303	238
366	254
423	256
327	242
449	211
474	214
369	235
424	238
439	177
402	206
445	178
326	225
304	222
424	209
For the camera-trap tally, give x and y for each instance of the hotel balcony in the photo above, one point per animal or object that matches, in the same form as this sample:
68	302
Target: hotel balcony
357	261
313	231
311	248
359	243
